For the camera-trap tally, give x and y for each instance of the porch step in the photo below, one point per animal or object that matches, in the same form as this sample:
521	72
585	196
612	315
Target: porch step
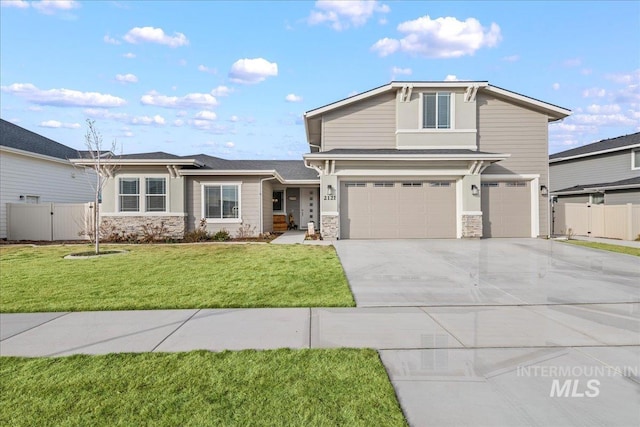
279	223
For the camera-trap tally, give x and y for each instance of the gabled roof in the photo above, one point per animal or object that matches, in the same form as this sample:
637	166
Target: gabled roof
16	137
601	147
628	183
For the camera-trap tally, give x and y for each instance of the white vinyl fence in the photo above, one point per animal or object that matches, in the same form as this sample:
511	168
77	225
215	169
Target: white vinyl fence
610	221
48	221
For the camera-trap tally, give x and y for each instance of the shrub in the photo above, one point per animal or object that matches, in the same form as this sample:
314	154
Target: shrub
153	233
222	236
245	231
199	234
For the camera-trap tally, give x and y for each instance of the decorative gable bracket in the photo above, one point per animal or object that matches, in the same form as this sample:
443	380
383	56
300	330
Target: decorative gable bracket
470	93
405	93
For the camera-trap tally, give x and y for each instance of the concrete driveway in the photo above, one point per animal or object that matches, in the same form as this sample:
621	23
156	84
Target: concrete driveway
529	332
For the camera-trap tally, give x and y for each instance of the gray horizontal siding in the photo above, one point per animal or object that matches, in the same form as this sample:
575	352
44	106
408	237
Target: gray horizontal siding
622	197
600	169
508	128
370	123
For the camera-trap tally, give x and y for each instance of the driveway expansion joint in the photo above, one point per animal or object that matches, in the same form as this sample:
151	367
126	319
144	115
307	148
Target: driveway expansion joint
36	326
175	330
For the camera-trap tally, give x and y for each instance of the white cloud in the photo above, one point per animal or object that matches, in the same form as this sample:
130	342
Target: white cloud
586	71
594	92
511	58
234	119
102	113
555	86
155	35
229	144
56	124
440	38
127	78
451	78
49	7
182	113
341	15
178	122
572	62
190	100
604	119
206	69
397	71
292	97
20	4
625	78
129	55
603	109
206	115
249	71
110	40
63	97
146	120
221	91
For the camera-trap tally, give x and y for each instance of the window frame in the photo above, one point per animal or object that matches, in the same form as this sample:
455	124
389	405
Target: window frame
121	195
635	165
421	112
147	194
220	184
142	194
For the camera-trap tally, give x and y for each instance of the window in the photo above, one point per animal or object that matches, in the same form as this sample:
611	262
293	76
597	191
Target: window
439	184
635	159
436	110
355	184
383	184
129	194
489	184
412	184
597	198
156	191
515	184
32	199
222	201
277	201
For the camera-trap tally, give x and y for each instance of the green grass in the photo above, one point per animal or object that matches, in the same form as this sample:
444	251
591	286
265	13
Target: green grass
606	247
37	279
279	387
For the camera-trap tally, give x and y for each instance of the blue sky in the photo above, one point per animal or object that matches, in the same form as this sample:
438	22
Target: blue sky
232	79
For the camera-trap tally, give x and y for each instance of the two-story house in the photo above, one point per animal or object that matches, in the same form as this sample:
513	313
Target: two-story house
604	172
404	160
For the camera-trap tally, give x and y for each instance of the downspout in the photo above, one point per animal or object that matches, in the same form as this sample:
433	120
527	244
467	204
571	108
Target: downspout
261	203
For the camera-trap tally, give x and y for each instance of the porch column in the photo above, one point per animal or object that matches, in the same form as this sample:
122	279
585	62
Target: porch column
471	207
329	215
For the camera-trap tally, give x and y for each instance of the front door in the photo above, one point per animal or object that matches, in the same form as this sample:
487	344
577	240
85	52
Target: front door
309	207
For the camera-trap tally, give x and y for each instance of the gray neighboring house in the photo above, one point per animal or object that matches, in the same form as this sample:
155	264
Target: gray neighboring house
604	172
35	169
404	160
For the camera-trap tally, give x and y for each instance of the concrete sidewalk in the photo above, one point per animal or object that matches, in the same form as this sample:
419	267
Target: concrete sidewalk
628	243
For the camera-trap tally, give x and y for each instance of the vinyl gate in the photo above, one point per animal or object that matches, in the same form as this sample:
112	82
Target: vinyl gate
48	221
610	221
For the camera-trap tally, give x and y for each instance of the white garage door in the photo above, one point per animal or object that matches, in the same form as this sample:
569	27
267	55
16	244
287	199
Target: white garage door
397	209
506	209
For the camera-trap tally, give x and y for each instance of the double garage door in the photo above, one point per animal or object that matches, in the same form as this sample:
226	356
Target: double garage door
397	209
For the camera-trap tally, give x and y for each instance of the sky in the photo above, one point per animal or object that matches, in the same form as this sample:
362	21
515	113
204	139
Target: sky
233	79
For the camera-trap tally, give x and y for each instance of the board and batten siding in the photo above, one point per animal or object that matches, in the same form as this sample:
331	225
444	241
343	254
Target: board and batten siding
505	127
370	123
609	167
249	202
52	181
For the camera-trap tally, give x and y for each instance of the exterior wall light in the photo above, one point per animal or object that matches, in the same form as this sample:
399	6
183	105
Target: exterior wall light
474	190
330	190
544	190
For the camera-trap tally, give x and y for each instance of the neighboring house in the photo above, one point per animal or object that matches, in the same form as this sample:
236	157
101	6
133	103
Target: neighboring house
35	169
404	160
604	172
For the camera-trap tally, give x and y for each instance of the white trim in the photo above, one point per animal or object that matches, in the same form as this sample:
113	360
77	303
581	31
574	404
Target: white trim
560	112
142	192
431	173
510	177
459	205
437	147
535	208
472	213
221	220
452	110
329	213
633	162
595	153
138	162
423	130
35	155
150	214
402	157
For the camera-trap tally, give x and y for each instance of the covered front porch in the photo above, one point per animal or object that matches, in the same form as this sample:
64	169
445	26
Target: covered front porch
295	207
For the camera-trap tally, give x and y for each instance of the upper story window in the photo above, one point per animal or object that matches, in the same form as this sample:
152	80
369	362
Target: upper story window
156	194
436	110
129	194
635	159
221	202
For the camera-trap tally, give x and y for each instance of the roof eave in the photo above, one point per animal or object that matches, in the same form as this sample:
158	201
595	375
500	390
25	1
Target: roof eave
406	157
139	162
594	153
554	112
34	155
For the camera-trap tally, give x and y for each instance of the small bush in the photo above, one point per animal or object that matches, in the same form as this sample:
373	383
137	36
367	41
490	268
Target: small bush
246	231
199	234
222	236
153	233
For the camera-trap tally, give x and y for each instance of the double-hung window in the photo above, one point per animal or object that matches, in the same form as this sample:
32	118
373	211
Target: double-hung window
436	110
129	195
635	159
156	194
221	202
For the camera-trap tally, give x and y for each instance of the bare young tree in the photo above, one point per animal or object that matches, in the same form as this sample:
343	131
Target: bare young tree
103	168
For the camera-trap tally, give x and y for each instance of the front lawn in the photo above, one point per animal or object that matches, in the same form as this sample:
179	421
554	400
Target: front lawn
606	247
37	279
280	387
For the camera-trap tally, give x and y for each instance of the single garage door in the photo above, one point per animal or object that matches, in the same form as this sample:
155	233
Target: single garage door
506	209
397	209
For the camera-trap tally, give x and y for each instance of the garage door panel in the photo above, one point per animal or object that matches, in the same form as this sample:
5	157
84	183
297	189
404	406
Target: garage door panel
506	209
